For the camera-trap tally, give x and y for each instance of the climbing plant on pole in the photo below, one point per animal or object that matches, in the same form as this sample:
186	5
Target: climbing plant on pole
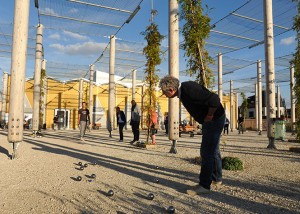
41	101
153	53
296	63
195	30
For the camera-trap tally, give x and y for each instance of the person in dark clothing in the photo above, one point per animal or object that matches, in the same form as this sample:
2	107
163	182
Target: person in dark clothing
240	124
121	121
226	125
135	121
205	107
55	122
83	117
166	123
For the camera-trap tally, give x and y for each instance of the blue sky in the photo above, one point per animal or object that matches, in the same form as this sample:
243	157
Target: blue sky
84	49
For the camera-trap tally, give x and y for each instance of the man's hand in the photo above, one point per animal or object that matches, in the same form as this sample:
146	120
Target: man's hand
208	118
210	114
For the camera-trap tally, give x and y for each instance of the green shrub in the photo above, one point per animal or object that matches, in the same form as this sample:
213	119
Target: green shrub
232	163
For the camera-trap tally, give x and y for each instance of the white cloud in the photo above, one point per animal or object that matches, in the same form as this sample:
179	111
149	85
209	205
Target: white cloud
73	10
54	36
86	48
288	40
49	11
75	35
57	47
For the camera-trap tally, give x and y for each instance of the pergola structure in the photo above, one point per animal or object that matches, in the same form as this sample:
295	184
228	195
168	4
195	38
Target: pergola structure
243	28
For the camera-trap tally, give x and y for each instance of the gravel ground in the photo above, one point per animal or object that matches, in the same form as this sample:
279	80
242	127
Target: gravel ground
43	178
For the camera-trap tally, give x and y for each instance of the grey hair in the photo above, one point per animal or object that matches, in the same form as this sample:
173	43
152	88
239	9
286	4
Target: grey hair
169	82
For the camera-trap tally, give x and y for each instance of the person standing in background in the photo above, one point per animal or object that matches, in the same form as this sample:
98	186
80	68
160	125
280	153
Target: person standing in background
83	117
153	125
55	122
166	123
121	121
240	124
226	126
135	121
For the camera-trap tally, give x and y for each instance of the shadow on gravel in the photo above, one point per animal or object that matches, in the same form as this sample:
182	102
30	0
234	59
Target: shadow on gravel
111	143
247	206
261	152
79	203
74	137
178	198
124	166
93	141
280	188
5	151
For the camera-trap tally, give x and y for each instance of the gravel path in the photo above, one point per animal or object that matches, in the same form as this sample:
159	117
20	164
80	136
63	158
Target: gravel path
43	178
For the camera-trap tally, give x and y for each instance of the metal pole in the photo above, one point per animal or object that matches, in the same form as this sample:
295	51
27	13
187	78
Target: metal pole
92	67
4	97
37	79
80	93
152	14
111	100
231	105
63	99
95	109
220	79
65	125
59	100
133	83
45	91
126	111
259	94
236	108
278	102
256	106
270	71
292	91
173	71
18	68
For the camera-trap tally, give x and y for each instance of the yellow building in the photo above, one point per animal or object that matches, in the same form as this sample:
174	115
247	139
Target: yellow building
62	98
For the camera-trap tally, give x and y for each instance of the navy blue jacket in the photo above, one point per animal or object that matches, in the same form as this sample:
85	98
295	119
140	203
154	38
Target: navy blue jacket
197	99
122	117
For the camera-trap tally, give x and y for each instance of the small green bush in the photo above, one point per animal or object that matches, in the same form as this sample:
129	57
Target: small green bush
232	163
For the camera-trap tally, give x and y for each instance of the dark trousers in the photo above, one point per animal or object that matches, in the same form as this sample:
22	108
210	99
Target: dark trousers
241	128
121	127
211	164
167	128
135	126
226	128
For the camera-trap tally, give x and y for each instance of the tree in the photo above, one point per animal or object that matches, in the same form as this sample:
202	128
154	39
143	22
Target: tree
195	31
153	54
296	63
244	106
